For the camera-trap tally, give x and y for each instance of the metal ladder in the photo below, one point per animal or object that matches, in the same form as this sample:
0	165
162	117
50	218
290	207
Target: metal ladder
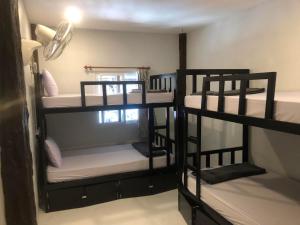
153	142
196	167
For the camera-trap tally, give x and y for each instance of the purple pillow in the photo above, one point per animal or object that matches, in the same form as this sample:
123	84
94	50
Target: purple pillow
54	153
49	84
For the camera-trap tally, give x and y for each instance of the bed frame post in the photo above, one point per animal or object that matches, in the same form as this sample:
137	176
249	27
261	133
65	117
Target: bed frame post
198	155
185	148
41	159
151	83
151	136
179	125
167	140
269	113
245	143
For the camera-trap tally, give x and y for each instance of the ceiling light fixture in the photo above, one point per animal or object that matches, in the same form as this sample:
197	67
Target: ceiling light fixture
73	14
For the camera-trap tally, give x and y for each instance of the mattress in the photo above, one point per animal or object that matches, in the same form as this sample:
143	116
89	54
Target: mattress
286	108
100	161
74	100
267	199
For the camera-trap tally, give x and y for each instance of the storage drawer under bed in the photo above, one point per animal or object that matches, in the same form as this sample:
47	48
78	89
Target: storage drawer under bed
148	185
164	182
81	196
65	199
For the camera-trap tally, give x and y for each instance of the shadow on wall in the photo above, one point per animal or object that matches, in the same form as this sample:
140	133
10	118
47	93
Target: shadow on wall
270	151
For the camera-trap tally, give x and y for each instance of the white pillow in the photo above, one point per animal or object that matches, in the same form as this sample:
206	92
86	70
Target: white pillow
49	83
53	151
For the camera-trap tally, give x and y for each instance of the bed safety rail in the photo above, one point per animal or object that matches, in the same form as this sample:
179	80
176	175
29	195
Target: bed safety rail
104	85
244	83
205	73
165	81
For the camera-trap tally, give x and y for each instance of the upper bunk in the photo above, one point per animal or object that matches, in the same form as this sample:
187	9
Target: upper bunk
235	101
160	94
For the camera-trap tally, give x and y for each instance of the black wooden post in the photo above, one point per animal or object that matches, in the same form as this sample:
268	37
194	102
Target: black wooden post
182	50
179	125
151	136
16	158
245	143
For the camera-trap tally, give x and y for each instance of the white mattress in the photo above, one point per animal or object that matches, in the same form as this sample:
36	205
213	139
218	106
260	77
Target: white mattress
93	162
74	100
267	199
287	105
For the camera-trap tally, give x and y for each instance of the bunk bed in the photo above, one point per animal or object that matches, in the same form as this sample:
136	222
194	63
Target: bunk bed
268	198
101	174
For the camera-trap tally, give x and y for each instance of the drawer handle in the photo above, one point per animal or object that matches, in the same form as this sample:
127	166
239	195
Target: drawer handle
151	186
84	197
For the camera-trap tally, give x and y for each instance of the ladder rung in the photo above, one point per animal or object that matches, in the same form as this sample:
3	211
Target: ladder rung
192	139
160	127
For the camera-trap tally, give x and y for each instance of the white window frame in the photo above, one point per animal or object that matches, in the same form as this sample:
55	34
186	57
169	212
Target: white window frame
121	113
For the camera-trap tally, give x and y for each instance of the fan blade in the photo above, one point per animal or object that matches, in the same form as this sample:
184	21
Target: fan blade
61	39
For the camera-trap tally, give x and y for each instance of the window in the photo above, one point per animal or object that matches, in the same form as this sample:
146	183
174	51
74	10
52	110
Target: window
118	116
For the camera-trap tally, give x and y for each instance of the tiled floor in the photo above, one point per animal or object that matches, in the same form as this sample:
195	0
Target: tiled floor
151	210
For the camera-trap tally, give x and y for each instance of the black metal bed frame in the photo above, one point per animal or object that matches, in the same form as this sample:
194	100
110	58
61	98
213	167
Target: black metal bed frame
79	193
195	211
158	81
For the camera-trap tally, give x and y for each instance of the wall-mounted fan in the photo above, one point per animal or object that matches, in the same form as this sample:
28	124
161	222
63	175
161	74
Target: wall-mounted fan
54	42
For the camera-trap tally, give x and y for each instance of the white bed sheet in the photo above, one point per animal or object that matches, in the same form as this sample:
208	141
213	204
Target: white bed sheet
100	161
287	105
74	100
267	199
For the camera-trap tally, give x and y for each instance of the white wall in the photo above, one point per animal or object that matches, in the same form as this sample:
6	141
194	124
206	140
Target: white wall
264	38
109	48
104	48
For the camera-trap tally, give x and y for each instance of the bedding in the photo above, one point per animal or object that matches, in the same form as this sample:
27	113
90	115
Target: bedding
100	161
268	199
74	100
286	108
230	172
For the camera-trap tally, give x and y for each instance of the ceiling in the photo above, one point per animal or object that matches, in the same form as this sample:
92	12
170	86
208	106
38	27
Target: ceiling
165	16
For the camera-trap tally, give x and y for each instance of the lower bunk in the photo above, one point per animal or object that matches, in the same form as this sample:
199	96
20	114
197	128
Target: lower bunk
102	174
267	199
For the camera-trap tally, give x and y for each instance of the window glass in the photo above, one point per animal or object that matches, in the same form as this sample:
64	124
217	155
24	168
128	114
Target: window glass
115	116
131	115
